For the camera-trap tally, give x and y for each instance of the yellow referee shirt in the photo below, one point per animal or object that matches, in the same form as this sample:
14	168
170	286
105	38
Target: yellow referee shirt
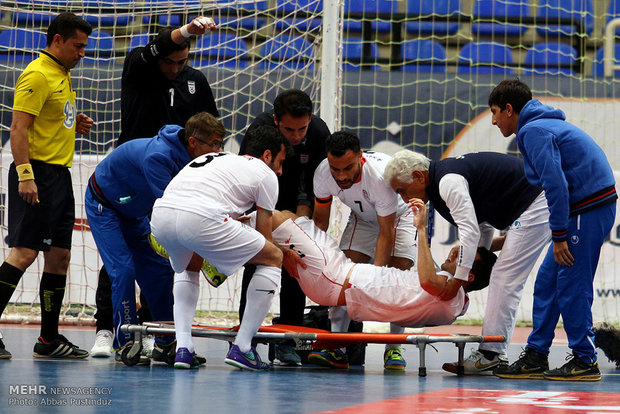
44	90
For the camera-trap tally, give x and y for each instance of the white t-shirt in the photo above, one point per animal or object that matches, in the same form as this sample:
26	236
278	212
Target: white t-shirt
370	196
222	183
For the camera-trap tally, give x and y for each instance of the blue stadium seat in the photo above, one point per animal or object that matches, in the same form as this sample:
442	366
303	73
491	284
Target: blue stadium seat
485	57
163	17
423	55
303	24
100	48
369	6
353	48
545	59
108	12
613	12
548	10
222	50
20	45
441	8
138	40
230	18
26	16
598	66
292	50
500	9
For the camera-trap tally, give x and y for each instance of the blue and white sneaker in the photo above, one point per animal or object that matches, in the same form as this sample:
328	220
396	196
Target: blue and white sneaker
249	360
185	359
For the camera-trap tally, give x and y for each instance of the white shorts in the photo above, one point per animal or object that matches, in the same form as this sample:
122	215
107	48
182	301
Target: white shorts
327	266
223	241
387	294
361	236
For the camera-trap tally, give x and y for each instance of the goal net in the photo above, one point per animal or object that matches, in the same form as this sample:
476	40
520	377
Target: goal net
414	75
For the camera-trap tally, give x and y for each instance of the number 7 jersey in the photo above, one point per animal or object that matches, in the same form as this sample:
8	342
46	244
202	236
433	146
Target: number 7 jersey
222	183
369	197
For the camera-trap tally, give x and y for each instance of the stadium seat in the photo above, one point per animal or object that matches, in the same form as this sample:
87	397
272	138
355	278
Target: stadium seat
100	48
285	51
613	12
440	8
369	6
498	9
220	49
27	16
423	55
138	40
550	58
164	17
21	45
303	24
598	66
108	13
485	57
353	48
550	10
231	18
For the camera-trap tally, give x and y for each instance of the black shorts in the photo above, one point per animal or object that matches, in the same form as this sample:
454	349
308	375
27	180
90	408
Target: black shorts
49	222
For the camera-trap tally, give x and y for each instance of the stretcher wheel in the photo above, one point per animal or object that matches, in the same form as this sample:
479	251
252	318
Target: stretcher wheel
130	359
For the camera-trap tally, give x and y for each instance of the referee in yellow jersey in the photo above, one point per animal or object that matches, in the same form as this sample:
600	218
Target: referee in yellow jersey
41	203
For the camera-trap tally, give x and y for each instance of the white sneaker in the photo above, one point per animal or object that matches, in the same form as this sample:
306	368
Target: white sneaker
148	343
103	344
477	364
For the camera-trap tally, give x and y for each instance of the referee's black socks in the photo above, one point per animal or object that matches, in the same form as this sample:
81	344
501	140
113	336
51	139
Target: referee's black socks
9	278
51	293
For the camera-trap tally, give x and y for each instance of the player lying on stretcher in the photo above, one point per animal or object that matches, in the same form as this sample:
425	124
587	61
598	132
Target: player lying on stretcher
371	293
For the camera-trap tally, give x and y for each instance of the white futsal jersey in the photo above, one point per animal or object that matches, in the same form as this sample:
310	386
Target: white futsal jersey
382	294
369	197
222	183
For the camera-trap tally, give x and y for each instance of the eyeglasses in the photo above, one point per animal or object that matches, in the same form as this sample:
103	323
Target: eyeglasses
217	144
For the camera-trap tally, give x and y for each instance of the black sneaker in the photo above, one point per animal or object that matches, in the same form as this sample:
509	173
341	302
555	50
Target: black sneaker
4	354
58	348
574	370
167	353
530	365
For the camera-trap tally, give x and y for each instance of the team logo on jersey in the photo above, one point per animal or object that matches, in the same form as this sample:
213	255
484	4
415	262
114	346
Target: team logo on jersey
517	224
574	239
191	86
303	158
365	194
69	115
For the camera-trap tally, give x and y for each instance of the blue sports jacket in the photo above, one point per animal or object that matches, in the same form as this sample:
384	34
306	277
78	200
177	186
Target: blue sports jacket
566	162
136	173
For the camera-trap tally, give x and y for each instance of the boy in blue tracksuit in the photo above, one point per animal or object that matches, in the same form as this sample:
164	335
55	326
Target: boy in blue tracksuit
580	190
118	202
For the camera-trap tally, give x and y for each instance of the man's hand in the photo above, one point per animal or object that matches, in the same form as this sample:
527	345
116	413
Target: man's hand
451	289
561	254
291	260
200	25
28	191
419	213
83	123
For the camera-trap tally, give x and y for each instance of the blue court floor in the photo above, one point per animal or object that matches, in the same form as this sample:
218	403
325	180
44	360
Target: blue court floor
29	385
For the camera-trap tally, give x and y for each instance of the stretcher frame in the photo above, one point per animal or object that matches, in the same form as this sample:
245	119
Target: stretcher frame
308	338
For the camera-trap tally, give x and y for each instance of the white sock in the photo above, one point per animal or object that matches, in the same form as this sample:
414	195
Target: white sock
261	291
339	319
186	290
397	329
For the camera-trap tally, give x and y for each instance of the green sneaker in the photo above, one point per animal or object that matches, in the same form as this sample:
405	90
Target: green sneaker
530	365
393	359
574	370
208	270
331	358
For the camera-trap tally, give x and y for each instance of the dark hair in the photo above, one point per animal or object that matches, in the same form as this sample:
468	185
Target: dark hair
167	31
66	25
202	125
342	141
263	138
510	91
293	102
482	270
